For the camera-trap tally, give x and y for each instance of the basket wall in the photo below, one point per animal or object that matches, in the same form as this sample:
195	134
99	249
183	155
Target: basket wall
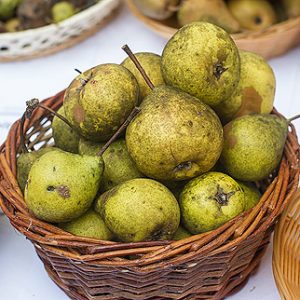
207	266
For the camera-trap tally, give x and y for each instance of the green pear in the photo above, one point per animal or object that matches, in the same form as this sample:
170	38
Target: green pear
159	10
292	7
175	136
62	10
64	136
151	65
99	100
89	225
212	11
12	25
62	186
255	92
119	166
201	59
7	8
140	210
253	146
181	233
253	14
209	201
252	194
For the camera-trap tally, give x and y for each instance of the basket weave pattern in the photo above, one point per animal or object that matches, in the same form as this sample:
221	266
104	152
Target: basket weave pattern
206	266
55	37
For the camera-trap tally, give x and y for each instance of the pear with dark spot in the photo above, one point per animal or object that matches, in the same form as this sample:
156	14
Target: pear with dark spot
62	186
202	59
99	100
209	201
252	194
255	92
140	210
253	146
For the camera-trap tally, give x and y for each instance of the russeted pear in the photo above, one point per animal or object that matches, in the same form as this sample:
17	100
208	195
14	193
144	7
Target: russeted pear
202	59
175	136
292	7
7	8
118	165
64	136
255	92
212	11
181	233
253	146
62	186
89	225
253	14
99	100
140	210
25	162
151	64
209	201
252	194
62	10
159	10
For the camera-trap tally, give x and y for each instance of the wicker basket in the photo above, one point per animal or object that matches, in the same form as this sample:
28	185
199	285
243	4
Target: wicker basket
271	42
206	266
286	253
52	38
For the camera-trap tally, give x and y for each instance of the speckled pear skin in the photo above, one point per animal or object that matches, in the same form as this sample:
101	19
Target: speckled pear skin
62	186
151	64
212	11
255	92
209	201
99	100
202	60
119	166
159	10
140	210
64	136
175	136
253	146
89	225
252	194
181	233
25	162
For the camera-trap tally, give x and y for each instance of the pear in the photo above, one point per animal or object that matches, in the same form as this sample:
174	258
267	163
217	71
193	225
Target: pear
12	25
89	225
252	194
99	100
255	92
212	11
253	14
159	10
119	166
292	7
62	186
140	210
175	136
181	233
64	136
151	64
209	201
62	10
7	8
253	146
25	162
201	59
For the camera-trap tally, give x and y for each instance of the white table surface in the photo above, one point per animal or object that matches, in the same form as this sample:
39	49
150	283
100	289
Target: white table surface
22	276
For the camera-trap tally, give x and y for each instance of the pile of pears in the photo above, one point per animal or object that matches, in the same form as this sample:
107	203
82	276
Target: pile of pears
190	157
232	15
18	15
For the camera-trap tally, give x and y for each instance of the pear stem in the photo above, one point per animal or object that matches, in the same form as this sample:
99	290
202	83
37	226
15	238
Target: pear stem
138	66
78	71
133	113
293	118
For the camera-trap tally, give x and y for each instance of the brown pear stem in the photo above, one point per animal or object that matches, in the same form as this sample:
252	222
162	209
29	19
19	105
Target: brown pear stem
138	66
293	118
133	113
22	137
78	71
